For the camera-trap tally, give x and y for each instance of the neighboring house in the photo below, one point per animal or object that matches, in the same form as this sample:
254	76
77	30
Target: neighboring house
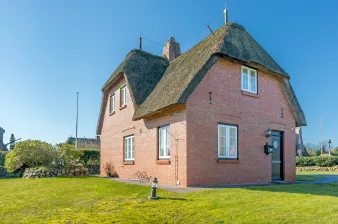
88	143
201	118
2	145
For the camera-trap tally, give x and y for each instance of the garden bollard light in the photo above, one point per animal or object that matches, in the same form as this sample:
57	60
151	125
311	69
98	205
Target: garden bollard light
154	186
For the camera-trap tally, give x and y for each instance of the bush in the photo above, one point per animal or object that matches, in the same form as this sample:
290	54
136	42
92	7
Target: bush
90	156
5	174
2	158
325	161
67	155
29	154
305	161
322	161
109	169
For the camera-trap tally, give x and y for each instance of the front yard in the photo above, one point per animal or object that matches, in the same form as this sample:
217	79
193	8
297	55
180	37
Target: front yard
97	200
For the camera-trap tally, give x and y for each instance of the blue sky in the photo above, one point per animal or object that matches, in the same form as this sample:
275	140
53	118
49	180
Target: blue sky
49	50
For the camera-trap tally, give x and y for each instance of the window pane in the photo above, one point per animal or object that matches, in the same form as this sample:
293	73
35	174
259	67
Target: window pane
125	149
132	148
222	131
222	151
161	152
222	141
245	81
123	96
168	140
253	81
164	142
232	142
232	151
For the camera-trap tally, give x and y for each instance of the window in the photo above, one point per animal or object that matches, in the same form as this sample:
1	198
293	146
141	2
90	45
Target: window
129	148
164	142
227	141
123	95
112	103
249	80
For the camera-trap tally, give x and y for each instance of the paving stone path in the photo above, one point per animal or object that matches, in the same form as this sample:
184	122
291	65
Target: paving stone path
177	189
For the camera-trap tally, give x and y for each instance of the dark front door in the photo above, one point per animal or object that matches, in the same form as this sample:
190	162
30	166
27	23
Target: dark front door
277	155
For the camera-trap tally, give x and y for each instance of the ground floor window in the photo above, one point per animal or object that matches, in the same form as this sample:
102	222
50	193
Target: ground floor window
227	141
164	142
129	148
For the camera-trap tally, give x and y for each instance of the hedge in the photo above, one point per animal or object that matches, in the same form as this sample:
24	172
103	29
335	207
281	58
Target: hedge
90	156
2	158
322	161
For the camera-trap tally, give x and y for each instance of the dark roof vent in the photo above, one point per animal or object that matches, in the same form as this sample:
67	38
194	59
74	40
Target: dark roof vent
171	49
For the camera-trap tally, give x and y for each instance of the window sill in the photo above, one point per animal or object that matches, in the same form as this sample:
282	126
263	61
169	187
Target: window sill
250	94
112	113
122	107
128	162
163	162
231	161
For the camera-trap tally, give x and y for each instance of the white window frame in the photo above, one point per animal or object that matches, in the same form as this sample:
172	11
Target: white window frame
112	103
129	148
123	96
249	80
227	142
166	146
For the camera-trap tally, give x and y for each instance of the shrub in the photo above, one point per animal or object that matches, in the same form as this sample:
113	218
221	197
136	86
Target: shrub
67	155
325	161
304	161
30	153
315	153
322	161
109	169
2	158
90	156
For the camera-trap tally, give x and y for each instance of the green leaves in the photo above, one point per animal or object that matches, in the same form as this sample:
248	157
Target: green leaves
67	155
30	153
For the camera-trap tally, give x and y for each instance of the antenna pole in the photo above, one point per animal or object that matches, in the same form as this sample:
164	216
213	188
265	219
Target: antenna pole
77	117
321	134
211	30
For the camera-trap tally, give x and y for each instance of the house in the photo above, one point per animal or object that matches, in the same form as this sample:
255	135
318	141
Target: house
2	145
203	117
87	143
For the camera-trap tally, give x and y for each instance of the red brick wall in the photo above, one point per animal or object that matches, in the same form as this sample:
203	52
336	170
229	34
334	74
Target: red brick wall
116	126
252	115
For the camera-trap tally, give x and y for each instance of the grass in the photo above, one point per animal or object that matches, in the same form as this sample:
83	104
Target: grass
98	200
313	175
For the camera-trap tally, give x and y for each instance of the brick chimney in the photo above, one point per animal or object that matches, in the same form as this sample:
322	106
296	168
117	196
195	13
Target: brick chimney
171	49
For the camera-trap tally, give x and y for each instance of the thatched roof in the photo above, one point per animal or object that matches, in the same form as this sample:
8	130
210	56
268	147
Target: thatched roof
142	71
183	74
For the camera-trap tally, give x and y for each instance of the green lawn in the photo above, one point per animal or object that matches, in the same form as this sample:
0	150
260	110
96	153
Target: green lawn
97	200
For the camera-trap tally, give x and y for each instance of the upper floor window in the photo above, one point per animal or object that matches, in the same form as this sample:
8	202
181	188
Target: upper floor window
129	148
164	142
227	141
112	103
123	96
249	80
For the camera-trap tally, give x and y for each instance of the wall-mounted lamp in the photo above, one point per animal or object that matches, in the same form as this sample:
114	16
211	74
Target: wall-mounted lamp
268	133
268	149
